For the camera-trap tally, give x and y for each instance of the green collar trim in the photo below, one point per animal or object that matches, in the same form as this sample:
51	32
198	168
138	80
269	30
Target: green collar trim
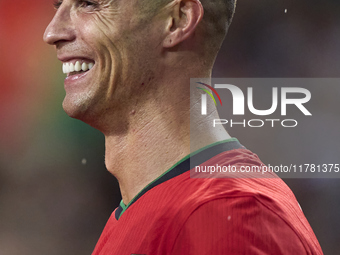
122	207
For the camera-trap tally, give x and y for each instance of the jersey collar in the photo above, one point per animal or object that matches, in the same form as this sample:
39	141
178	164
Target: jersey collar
196	158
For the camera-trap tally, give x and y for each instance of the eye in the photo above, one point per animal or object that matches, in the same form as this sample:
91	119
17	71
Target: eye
57	4
85	4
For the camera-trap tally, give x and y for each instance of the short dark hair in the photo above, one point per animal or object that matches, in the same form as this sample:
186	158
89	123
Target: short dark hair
218	15
217	18
215	9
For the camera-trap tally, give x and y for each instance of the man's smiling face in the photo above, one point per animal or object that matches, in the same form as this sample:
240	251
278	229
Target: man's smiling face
106	47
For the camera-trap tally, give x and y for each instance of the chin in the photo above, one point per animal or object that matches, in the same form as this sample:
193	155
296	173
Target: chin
76	109
83	111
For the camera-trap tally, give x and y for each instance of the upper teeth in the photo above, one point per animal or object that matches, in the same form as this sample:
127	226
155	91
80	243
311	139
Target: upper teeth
70	67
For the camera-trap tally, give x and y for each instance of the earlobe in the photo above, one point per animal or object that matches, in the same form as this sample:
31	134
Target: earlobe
186	15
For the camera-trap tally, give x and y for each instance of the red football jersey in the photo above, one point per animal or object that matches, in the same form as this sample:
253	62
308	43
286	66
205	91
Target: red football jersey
176	214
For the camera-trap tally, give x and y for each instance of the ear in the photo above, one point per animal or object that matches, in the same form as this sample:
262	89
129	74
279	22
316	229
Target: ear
185	17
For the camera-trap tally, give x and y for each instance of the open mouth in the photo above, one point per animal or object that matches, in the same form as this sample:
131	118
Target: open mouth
78	67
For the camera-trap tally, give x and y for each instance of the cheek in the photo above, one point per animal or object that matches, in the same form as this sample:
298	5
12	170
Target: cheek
103	45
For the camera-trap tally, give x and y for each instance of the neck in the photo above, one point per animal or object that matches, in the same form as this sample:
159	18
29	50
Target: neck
158	136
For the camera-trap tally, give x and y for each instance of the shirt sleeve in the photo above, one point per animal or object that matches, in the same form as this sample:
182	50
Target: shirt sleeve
240	225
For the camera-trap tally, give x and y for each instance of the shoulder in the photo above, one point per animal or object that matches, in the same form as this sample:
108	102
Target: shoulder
237	225
241	216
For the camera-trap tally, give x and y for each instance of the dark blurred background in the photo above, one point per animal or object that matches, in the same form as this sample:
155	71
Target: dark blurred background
55	193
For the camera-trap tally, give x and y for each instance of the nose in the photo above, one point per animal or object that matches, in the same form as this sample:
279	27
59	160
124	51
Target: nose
61	27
